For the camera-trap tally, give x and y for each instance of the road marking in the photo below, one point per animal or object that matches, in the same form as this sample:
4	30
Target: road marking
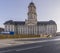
7	51
28	48
19	49
50	40
5	44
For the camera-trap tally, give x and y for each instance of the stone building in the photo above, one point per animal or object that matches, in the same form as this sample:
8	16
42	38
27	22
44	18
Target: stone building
1	29
31	25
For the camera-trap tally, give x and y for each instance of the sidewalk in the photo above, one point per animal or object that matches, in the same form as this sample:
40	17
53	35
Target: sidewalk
13	42
19	41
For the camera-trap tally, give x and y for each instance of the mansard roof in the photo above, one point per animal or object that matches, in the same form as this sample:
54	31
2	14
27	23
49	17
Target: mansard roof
9	22
19	23
15	22
51	22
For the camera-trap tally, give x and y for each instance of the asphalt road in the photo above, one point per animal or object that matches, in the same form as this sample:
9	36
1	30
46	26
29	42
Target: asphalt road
44	46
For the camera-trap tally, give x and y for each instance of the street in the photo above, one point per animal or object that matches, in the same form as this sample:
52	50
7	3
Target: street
44	46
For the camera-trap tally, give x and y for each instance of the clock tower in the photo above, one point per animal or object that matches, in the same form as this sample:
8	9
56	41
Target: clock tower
32	15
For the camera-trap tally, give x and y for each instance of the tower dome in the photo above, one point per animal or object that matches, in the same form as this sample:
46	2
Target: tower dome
32	4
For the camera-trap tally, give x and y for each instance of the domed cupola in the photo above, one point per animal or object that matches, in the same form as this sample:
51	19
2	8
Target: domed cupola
31	5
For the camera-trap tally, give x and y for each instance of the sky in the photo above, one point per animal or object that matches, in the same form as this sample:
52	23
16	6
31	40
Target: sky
17	10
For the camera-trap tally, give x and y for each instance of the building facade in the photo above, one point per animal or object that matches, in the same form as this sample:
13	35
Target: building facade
1	29
31	25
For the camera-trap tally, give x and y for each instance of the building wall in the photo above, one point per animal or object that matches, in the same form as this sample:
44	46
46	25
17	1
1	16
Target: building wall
9	27
41	29
34	29
51	29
